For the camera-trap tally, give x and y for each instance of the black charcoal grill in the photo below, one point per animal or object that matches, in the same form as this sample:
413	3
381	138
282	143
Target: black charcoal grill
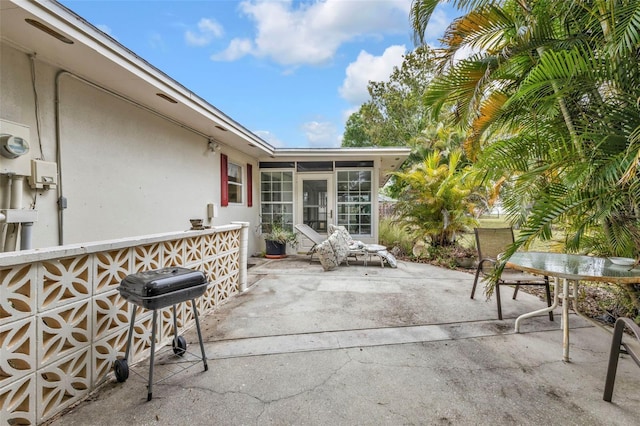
154	290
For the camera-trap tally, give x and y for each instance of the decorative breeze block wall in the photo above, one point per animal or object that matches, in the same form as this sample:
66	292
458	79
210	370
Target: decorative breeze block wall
63	322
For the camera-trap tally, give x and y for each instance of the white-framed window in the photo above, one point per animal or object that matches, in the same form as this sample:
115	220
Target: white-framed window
234	173
355	198
276	198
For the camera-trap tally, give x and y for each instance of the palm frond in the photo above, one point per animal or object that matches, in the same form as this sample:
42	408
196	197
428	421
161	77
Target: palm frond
422	10
488	28
625	18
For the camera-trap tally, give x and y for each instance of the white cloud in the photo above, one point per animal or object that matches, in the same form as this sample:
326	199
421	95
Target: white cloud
270	138
369	68
236	50
156	41
464	53
321	134
208	29
437	25
310	33
347	112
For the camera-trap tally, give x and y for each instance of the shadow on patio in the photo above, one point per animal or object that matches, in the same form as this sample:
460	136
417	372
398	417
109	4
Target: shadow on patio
372	345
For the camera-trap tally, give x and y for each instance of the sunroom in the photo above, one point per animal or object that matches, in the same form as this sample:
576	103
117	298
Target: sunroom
319	187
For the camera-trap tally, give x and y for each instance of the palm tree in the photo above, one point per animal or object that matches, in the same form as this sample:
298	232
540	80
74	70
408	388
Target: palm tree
436	200
550	100
551	103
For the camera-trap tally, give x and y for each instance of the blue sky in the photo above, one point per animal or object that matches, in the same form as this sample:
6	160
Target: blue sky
290	71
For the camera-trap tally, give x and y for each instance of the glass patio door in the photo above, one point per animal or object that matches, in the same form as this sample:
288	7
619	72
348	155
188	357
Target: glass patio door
316	203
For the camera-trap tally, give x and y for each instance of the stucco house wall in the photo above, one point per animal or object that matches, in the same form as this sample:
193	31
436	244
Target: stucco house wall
124	170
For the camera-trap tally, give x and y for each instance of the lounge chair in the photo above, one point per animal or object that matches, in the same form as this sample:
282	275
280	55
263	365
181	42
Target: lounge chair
355	247
348	247
491	242
311	234
358	248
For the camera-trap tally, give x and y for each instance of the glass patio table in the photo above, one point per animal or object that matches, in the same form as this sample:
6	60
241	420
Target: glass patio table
572	269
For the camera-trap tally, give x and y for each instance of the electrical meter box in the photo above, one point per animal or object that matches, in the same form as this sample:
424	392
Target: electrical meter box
14	148
44	174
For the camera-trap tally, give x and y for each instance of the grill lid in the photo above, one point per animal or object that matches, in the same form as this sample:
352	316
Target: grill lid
161	281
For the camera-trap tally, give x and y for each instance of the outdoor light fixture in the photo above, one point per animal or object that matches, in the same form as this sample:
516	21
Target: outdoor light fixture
213	146
50	31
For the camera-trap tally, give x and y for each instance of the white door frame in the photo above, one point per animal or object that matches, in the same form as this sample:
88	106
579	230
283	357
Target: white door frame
305	244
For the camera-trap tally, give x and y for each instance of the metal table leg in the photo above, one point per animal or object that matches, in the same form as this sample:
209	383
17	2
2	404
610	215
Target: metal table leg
540	311
566	298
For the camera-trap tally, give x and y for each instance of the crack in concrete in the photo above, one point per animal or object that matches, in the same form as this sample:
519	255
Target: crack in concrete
264	403
307	390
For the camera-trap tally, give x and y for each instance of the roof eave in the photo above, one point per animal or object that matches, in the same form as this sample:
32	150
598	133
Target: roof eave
212	123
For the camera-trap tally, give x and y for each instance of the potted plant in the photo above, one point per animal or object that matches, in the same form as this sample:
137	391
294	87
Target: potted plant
276	240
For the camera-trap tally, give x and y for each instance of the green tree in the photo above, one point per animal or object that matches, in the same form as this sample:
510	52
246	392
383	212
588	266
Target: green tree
355	133
395	114
436	202
551	98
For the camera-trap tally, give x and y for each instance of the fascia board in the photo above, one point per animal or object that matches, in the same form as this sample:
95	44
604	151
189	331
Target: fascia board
317	152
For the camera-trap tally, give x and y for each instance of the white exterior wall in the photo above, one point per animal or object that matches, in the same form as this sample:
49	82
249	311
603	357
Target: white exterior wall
125	171
17	105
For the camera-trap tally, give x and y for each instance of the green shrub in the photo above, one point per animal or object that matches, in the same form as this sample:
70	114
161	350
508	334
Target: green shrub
391	235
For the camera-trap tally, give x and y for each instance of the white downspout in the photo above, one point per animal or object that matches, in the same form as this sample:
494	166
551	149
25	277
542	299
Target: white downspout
4	204
13	229
17	190
6	193
2	226
25	236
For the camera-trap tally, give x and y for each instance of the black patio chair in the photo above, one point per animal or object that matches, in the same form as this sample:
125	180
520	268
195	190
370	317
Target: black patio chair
491	242
616	345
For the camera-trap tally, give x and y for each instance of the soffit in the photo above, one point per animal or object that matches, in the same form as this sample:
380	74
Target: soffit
389	159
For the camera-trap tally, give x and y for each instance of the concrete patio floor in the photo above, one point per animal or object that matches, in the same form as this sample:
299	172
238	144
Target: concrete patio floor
371	345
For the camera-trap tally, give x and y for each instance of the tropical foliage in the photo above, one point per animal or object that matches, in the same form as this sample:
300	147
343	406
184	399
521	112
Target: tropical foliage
436	199
551	103
392	235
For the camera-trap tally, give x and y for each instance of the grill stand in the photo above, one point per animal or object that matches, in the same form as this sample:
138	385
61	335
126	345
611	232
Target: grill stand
179	347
